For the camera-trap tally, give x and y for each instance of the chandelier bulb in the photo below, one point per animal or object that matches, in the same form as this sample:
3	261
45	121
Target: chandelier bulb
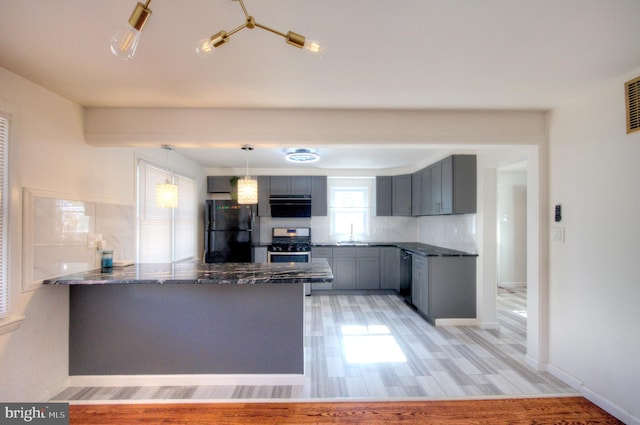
204	48
125	41
314	47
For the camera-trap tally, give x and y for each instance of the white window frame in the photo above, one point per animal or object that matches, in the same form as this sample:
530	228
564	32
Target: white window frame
5	125
8	322
362	229
174	214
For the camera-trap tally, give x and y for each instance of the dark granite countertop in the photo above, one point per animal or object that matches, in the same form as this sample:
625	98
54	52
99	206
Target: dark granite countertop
195	273
413	247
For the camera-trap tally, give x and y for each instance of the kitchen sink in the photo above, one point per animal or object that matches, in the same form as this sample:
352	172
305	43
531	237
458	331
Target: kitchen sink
352	243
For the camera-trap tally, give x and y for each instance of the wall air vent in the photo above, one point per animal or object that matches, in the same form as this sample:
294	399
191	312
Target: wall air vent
632	94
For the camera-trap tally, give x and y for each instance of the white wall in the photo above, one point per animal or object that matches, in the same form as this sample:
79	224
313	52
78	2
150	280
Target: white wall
594	310
512	228
48	153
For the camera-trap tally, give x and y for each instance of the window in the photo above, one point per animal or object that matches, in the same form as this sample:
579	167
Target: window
4	216
350	207
165	235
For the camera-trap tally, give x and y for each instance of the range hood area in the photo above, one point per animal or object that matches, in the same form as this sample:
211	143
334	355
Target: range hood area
288	206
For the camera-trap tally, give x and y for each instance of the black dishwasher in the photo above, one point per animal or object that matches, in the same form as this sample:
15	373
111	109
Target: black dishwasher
406	260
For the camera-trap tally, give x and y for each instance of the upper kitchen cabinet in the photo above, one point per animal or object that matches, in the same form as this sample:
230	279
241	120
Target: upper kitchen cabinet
219	184
384	185
446	187
314	186
393	195
416	194
401	195
452	186
318	196
290	185
264	191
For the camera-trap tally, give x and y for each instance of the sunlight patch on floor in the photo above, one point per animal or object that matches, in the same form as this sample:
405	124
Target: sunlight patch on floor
371	344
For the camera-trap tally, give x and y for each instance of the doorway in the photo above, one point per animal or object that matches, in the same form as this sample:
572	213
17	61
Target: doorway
511	268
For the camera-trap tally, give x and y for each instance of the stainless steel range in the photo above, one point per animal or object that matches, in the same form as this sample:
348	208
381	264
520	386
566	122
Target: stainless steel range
291	245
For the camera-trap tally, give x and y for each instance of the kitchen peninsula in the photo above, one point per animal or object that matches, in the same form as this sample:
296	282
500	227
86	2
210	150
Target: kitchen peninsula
229	322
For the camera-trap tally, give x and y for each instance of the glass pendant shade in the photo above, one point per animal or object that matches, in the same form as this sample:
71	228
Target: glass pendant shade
167	195
247	191
124	43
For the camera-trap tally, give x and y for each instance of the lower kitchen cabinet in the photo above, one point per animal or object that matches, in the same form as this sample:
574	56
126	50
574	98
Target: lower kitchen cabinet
390	268
356	268
444	287
344	268
420	283
260	254
327	254
368	268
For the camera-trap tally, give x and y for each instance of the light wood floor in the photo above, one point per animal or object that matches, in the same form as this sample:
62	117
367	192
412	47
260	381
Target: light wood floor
575	410
404	357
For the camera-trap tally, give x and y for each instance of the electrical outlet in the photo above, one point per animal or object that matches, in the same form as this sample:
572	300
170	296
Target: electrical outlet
557	234
93	239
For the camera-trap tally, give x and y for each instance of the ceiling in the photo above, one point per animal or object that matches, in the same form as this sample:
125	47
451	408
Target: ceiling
380	54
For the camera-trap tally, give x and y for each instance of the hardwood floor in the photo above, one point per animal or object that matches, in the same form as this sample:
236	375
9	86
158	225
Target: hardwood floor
571	410
376	347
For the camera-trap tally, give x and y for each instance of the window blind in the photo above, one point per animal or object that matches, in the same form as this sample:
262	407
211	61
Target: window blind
164	234
185	219
4	216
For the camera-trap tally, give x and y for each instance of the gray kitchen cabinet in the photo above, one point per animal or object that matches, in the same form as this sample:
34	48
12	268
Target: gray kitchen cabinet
444	287
319	196
452	187
420	283
384	195
260	254
264	190
327	254
401	193
344	268
368	268
390	264
219	184
356	268
315	186
416	194
393	195
290	185
452	288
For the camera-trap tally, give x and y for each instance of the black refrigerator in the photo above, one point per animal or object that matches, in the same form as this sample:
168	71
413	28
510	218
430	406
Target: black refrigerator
228	229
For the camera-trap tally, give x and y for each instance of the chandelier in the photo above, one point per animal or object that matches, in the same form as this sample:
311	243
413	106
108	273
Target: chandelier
125	41
247	187
167	192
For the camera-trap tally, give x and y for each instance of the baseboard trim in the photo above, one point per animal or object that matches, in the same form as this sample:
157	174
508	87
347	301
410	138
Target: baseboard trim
610	407
183	380
540	366
456	322
564	376
488	325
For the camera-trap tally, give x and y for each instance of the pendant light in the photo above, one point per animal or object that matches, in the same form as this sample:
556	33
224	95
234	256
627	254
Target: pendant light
167	192
247	187
125	42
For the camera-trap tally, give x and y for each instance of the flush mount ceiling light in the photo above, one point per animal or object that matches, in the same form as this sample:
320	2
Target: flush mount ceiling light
304	156
247	187
167	192
124	43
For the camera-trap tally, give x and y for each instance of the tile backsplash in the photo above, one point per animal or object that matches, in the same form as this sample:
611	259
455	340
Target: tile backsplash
57	232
